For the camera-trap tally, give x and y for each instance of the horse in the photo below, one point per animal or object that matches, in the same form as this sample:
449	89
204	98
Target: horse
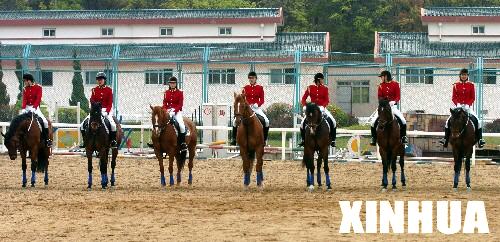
462	140
389	142
97	140
317	139
250	138
24	135
165	141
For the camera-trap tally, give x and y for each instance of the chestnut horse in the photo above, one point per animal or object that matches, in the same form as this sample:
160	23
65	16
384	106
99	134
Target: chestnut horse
165	141
24	135
97	140
389	142
250	138
462	140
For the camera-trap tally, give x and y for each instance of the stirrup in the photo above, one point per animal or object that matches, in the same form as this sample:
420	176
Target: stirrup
444	142
183	147
481	143
82	145
113	144
233	143
333	143
48	143
301	143
404	140
150	145
373	142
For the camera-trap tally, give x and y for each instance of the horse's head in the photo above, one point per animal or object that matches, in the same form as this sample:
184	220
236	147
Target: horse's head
95	116
384	111
458	121
313	117
11	142
159	118
242	110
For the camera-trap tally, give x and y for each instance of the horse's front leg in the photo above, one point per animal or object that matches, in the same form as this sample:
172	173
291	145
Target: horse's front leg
89	168
467	174
393	168
246	168
171	157
114	154
259	166
24	166
103	167
385	169
159	156
318	168
458	167
34	164
402	166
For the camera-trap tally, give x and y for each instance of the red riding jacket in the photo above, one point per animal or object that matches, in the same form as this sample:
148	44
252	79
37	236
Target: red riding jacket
390	91
464	93
318	94
32	96
104	95
173	99
254	94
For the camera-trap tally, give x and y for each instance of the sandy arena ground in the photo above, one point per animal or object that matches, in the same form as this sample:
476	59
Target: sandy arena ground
216	208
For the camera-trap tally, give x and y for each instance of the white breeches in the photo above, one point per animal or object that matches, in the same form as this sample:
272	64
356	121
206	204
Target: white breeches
323	111
395	111
106	115
38	112
180	120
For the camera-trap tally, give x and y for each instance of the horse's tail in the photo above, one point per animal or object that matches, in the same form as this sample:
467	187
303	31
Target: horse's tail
181	161
42	160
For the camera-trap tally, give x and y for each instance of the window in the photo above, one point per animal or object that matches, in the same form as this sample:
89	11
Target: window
282	76
419	76
478	29
360	92
221	76
156	77
90	77
164	31
489	76
49	32
107	31
224	30
47	78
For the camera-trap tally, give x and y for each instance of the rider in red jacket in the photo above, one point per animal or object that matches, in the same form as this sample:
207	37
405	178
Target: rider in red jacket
464	96
173	100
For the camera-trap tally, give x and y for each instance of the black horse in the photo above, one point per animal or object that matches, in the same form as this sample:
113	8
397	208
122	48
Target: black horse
462	139
97	139
317	139
389	141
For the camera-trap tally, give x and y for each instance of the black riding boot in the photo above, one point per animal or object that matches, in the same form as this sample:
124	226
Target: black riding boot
302	136
82	132
373	142
182	142
479	137
402	132
45	137
233	136
333	136
266	134
112	137
444	141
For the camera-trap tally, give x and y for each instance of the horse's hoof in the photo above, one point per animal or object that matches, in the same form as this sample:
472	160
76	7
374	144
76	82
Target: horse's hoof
24	185
384	189
310	188
32	184
328	188
403	187
246	188
112	184
469	189
260	187
46	186
455	189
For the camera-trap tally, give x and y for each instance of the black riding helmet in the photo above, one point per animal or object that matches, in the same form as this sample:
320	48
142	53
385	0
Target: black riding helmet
29	77
101	75
387	74
464	71
252	73
318	76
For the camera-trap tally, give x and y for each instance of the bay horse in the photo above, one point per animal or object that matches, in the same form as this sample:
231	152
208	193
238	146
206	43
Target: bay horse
97	140
24	135
250	138
390	145
165	141
462	140
317	139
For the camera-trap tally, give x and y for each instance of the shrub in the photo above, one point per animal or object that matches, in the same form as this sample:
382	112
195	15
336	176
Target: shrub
343	119
280	115
493	127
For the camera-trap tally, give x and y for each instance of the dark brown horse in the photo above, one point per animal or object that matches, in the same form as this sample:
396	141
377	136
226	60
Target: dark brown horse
250	138
462	139
165	141
389	141
24	135
97	140
317	139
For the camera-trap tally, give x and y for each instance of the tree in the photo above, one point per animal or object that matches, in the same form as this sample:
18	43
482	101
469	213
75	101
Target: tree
78	92
19	75
5	110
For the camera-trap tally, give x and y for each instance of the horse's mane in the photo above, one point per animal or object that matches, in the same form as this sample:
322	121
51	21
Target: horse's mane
383	102
311	108
14	124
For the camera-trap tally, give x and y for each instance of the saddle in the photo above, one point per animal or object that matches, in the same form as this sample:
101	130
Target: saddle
177	128
261	119
104	120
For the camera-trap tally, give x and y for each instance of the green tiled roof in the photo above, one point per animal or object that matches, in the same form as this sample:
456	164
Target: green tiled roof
417	44
141	14
284	46
461	11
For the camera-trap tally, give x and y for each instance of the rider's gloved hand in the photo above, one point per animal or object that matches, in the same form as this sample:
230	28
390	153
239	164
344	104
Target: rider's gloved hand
392	103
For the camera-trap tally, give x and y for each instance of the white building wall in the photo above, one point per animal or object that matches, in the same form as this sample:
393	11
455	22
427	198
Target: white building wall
91	34
462	32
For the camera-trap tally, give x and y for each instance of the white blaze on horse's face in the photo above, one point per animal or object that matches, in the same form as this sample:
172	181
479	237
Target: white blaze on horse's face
155	125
